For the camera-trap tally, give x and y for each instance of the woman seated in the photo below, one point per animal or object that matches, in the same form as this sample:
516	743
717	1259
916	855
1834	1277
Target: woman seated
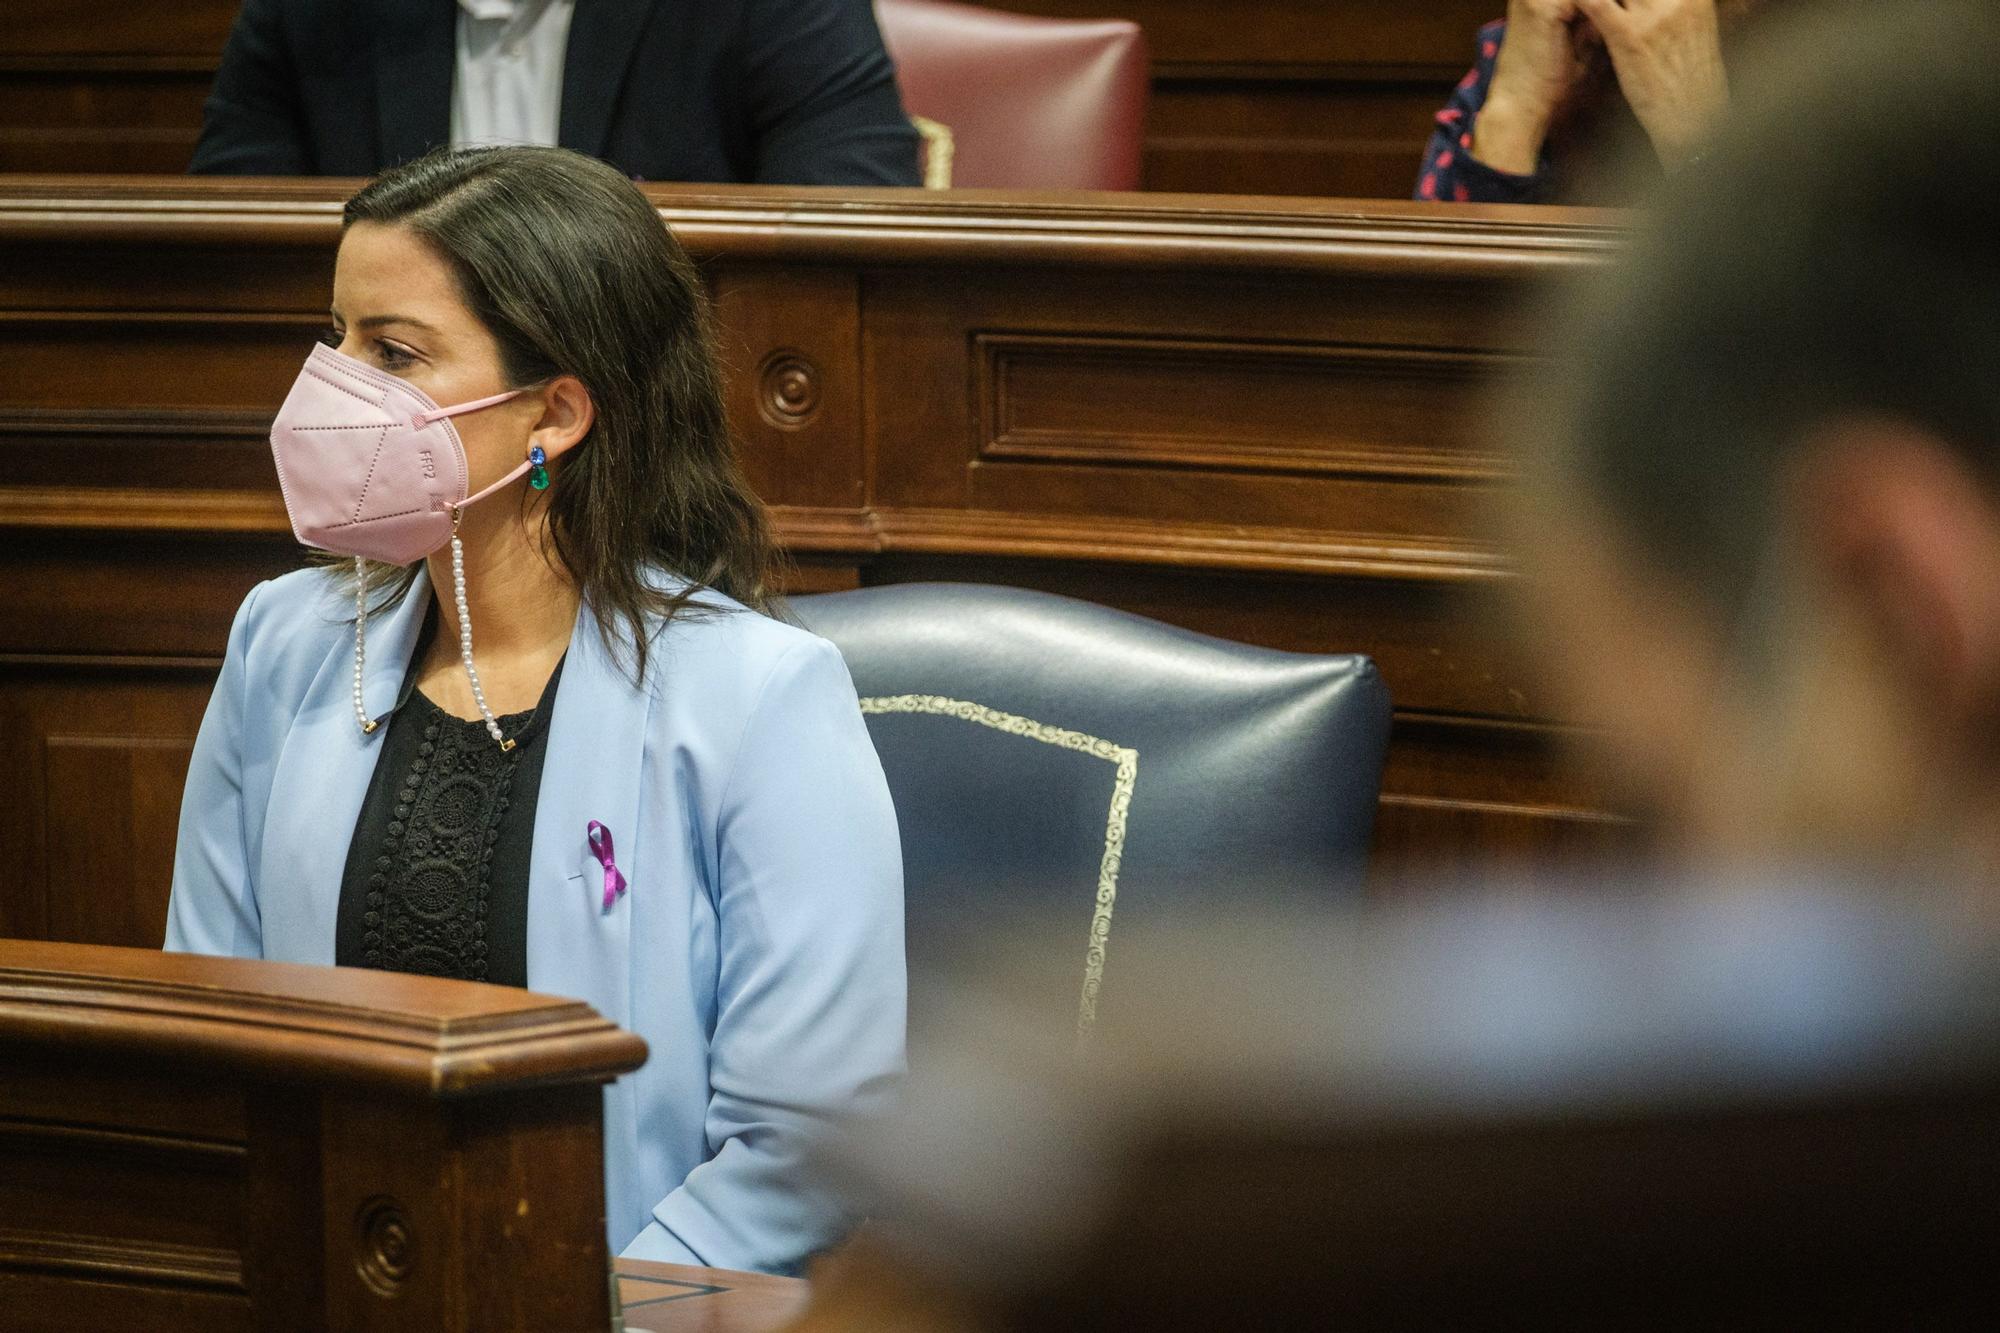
1561	81
535	727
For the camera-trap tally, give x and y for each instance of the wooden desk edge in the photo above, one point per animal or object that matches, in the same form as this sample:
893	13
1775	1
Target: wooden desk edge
665	1298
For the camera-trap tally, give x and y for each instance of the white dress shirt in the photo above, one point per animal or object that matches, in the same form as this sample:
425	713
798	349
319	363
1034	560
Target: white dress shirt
507	87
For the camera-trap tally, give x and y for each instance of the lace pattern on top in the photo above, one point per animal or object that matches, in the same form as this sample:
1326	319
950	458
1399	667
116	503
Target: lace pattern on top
431	886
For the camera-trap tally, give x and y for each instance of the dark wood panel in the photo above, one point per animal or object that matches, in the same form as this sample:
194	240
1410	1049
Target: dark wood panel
181	1199
64	273
161	596
1341	137
1465	797
98	117
1352	380
108	877
1265	407
193	28
106	87
63	359
94	762
124	448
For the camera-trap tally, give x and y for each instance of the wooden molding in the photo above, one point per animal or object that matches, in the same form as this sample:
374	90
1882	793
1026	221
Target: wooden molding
136	422
98	509
818	531
284	1020
192	1265
1206	546
889	226
851	532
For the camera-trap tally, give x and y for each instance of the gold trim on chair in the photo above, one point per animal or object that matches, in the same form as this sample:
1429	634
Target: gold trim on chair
939	148
1127	764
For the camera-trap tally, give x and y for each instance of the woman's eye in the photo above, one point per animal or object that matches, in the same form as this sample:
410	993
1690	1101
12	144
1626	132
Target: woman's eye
331	337
394	357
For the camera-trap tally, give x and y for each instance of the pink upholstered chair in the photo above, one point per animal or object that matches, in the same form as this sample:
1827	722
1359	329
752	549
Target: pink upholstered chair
1009	101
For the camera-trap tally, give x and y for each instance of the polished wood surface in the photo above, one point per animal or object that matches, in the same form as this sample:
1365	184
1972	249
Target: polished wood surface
212	1143
1254	417
1316	97
674	1298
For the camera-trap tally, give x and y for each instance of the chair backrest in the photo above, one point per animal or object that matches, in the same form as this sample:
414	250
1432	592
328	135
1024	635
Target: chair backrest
1058	764
1029	102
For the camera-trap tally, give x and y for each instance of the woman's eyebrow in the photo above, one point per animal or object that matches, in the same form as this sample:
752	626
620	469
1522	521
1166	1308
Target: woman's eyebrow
380	321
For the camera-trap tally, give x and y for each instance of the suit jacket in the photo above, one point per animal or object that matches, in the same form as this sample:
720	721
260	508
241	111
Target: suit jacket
758	949
796	92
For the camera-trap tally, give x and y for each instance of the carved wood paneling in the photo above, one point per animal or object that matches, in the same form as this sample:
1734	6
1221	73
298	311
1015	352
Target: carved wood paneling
197	1144
1255	418
789	349
180	1201
1260	407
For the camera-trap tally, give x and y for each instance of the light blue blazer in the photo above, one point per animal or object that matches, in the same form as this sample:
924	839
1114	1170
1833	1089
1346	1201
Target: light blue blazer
758	950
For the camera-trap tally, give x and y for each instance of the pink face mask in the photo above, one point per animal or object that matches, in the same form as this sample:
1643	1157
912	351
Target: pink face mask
368	464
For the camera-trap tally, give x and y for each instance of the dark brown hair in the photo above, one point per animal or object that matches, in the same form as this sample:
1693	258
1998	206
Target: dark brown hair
571	270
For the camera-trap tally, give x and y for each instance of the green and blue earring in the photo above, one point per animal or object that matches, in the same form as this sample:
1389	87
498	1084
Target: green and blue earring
538	475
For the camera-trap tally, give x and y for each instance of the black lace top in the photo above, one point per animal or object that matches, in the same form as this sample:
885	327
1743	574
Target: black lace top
437	873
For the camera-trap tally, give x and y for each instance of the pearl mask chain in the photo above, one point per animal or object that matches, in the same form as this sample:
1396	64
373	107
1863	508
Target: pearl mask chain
368	725
465	635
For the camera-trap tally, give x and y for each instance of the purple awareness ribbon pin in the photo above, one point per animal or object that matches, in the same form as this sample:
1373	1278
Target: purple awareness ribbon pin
600	847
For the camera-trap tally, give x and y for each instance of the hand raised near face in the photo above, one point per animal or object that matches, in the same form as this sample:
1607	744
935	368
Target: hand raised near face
1535	70
1668	56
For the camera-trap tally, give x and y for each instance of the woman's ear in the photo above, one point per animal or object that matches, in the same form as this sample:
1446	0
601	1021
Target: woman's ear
567	416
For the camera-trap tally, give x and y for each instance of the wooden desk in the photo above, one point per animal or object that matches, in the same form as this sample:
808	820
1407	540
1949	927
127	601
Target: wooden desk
221	1144
1254	417
673	1298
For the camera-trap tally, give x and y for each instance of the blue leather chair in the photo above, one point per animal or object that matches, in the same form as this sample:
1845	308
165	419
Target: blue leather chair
1059	766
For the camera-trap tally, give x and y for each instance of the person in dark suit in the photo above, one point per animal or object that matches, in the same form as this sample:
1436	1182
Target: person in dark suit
799	92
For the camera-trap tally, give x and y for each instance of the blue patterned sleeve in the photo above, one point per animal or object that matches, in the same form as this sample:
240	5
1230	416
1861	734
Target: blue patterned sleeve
1450	171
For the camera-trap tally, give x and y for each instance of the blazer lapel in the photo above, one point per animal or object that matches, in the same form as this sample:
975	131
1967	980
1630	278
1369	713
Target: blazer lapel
597	741
603	35
321	778
416	54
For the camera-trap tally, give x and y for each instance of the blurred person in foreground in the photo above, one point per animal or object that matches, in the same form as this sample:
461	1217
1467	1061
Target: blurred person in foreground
1760	533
